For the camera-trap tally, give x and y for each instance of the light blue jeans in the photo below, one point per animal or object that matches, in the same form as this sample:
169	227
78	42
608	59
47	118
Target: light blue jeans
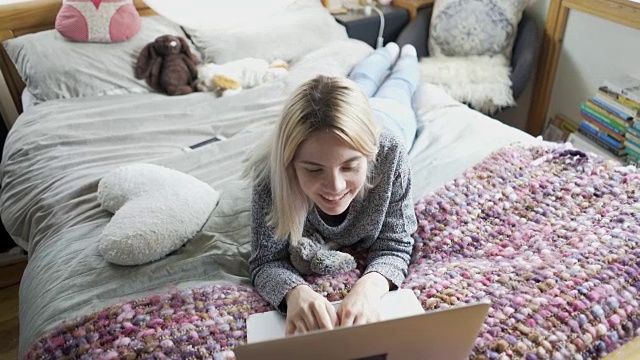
390	96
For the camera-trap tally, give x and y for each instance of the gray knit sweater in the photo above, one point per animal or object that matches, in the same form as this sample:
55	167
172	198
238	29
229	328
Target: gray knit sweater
382	221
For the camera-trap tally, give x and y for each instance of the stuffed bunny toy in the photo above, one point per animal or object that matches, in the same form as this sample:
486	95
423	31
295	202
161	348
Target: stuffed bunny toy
168	65
314	256
234	76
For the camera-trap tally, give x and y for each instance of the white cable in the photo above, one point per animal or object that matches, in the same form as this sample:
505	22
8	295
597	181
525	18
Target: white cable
380	40
367	10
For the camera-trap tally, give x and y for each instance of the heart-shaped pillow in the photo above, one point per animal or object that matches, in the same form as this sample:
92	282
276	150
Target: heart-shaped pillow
98	20
156	210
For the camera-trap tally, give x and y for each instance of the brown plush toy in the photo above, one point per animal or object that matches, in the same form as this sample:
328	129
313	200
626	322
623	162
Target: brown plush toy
168	65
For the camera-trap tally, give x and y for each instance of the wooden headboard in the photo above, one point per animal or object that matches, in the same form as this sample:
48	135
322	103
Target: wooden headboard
29	17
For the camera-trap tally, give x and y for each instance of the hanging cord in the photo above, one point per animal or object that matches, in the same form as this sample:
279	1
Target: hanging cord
367	11
380	39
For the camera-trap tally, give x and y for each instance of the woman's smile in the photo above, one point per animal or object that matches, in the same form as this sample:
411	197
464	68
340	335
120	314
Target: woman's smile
330	172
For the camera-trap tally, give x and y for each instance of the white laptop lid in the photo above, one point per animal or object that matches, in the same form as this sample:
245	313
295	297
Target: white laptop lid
447	334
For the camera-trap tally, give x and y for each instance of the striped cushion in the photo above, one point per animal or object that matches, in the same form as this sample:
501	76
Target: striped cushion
98	20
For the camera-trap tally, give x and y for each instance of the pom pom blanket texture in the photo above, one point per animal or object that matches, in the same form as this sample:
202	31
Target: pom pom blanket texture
547	233
156	210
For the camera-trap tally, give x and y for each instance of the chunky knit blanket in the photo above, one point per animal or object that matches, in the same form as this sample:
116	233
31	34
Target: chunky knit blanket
549	234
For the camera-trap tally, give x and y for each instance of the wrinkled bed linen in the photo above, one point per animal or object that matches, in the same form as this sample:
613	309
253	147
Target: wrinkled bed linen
58	151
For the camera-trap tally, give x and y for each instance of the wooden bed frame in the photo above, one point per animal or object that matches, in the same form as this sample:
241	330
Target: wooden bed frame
32	16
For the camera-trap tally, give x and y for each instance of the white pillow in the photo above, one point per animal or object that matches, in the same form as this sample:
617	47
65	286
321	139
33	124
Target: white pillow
221	15
53	67
156	210
474	27
286	36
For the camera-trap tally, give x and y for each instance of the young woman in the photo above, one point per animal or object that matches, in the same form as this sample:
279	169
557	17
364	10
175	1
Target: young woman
337	168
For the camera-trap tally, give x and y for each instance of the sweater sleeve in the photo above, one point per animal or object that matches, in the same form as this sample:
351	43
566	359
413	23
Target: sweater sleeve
271	271
390	254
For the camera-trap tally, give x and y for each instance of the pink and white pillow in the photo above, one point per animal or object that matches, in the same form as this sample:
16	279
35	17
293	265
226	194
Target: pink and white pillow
98	20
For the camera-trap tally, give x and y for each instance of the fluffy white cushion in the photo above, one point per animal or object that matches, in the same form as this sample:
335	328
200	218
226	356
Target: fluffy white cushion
482	82
156	210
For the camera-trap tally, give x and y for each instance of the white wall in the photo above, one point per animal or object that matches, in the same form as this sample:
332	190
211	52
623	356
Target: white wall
594	49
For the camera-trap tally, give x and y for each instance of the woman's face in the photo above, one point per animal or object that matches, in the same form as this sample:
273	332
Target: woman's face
330	172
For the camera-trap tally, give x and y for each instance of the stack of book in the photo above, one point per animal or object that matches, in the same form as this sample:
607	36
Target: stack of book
611	118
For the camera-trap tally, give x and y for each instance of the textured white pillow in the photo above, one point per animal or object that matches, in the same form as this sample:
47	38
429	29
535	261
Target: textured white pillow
474	27
156	210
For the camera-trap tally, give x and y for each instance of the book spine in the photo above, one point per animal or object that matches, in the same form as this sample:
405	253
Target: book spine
633	148
626	101
629	88
633	131
632	139
621	123
604	120
632	152
600	142
597	133
620	101
610	104
602	128
566	124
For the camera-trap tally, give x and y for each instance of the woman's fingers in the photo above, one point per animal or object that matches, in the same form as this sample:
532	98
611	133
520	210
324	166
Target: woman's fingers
322	314
301	327
366	318
333	316
309	320
346	316
308	310
290	328
361	320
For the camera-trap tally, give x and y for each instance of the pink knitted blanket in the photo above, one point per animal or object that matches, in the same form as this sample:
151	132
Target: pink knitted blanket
548	234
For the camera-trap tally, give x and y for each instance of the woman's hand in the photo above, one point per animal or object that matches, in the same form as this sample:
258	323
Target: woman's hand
307	310
359	306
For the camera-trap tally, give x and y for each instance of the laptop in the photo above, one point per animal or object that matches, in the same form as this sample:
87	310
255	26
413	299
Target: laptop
405	333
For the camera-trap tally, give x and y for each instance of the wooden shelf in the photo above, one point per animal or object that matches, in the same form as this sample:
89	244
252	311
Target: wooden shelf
624	12
413	5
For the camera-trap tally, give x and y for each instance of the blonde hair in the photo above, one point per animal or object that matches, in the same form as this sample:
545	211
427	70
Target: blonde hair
333	104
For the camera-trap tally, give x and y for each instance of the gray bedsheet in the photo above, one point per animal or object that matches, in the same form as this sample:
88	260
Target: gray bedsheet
59	150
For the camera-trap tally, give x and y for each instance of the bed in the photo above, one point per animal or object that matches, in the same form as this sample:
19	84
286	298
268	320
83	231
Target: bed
73	302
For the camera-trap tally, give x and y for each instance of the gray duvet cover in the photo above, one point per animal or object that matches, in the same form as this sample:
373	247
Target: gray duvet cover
59	150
